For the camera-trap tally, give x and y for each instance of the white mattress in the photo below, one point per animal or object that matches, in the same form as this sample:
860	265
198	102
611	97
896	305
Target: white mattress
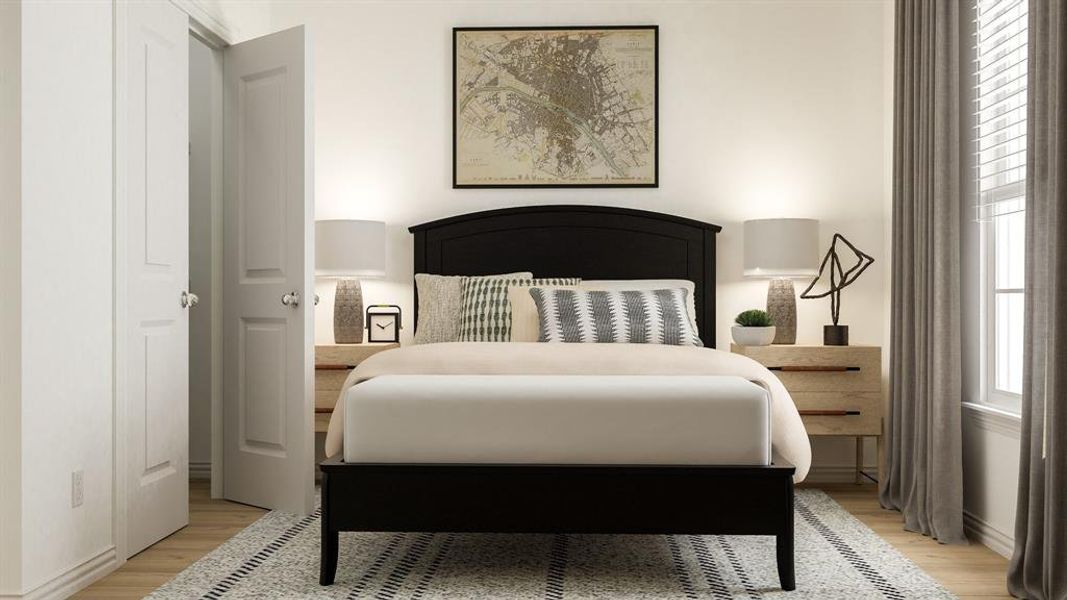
558	419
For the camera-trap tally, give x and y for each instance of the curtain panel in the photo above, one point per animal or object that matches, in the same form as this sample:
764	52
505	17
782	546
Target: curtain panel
1038	567
923	476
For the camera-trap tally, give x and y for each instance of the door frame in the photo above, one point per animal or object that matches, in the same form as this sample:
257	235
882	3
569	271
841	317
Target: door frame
217	36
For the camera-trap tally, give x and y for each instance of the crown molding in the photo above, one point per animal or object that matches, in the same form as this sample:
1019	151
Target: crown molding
208	21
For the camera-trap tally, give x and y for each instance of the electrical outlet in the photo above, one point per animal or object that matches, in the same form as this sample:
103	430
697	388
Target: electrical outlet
77	489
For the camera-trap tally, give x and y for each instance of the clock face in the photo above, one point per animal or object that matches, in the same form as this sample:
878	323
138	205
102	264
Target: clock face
382	328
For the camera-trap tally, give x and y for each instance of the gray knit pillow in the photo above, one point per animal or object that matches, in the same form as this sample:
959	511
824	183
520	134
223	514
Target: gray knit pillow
486	313
441	305
625	316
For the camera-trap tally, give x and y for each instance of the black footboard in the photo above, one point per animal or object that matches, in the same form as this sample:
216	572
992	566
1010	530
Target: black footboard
728	500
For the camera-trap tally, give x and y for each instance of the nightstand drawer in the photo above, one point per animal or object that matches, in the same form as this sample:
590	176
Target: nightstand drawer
821	368
812	379
867	404
326	398
348	354
322	422
331	379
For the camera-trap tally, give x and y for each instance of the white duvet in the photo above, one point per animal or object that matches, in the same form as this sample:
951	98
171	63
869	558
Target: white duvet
789	439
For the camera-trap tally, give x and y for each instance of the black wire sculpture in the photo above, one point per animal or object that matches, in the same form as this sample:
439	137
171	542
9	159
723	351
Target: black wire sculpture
839	277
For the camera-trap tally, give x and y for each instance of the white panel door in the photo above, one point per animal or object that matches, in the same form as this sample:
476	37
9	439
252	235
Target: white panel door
268	296
157	370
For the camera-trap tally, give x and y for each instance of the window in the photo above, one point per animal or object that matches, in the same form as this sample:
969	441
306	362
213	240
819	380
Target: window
1000	141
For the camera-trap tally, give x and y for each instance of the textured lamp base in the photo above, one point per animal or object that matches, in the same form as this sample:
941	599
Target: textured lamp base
348	312
835	335
782	308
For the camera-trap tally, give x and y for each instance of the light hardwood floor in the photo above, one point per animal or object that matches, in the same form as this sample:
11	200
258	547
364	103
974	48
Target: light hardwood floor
211	522
972	572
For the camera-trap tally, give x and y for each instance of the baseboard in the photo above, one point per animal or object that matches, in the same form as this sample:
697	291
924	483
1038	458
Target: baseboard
978	530
72	580
200	470
837	473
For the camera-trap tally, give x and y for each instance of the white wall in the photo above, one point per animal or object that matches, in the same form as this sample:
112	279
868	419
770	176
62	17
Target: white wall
768	109
990	477
66	287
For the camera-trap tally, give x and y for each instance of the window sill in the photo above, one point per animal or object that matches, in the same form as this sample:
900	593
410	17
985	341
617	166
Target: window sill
994	419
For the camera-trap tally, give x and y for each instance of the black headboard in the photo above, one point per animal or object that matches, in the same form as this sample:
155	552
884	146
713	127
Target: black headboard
591	242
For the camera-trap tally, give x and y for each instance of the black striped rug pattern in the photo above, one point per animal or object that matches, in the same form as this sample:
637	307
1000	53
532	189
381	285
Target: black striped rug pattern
557	568
709	568
681	569
420	565
862	566
247	567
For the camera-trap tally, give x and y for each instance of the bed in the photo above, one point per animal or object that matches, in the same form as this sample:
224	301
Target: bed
408	464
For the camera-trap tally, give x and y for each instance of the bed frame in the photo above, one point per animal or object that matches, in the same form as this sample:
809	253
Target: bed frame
591	242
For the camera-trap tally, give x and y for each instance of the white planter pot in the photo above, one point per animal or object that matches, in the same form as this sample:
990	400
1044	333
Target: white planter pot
753	336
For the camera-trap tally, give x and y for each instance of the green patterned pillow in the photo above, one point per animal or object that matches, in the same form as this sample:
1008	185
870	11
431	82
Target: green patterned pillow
441	305
486	312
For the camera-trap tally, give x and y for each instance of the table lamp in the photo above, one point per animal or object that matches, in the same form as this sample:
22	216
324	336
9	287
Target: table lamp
349	250
782	250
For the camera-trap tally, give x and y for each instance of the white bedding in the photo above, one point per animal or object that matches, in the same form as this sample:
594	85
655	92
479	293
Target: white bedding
558	419
788	437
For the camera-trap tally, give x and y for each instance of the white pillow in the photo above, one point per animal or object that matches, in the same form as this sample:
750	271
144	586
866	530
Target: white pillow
614	285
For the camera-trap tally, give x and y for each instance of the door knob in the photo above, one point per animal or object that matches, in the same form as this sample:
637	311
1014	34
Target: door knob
292	299
189	299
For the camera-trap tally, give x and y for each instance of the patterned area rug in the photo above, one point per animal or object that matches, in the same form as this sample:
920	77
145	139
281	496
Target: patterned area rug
837	557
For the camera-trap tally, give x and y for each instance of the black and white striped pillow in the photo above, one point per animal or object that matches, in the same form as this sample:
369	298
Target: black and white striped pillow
624	316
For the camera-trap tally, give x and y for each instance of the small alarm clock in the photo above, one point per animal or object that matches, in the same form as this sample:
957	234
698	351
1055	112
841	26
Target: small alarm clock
383	323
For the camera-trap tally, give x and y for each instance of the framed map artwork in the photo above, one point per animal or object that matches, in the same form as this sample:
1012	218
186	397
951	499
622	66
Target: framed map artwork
555	107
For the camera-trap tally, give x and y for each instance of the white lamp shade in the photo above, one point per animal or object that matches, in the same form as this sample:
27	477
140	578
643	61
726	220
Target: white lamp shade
347	248
781	248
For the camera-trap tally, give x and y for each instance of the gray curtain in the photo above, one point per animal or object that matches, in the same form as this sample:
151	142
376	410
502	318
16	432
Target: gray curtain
1039	566
923	476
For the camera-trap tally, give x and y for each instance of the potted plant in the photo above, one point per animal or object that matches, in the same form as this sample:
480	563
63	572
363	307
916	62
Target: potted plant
753	328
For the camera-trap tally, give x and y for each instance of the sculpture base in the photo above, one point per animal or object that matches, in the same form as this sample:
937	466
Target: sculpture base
782	308
835	335
348	312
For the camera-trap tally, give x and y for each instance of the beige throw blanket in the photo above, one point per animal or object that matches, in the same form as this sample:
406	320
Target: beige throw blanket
789	439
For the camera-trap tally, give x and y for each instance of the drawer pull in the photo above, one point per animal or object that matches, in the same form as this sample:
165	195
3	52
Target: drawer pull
323	411
332	367
816	369
829	413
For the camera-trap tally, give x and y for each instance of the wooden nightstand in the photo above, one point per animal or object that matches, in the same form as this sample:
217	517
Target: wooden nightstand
332	365
837	389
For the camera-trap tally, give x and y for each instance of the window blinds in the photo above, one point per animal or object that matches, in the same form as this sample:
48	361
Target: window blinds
1000	105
